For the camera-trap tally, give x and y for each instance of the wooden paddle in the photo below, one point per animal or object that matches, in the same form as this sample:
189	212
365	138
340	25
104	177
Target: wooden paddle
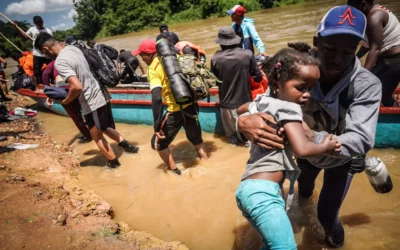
16	26
11	42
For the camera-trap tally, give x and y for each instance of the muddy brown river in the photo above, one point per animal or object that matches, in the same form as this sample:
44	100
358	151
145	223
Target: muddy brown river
199	208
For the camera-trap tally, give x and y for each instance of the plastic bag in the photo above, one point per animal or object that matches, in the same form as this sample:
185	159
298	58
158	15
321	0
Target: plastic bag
22	81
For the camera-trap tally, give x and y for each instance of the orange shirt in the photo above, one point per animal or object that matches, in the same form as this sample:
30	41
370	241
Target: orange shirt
26	63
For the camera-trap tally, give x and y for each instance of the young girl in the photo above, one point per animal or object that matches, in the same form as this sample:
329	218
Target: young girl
291	74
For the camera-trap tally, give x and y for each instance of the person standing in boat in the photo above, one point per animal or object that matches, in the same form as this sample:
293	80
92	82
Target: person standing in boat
91	43
244	27
93	97
233	66
38	58
127	65
383	46
167	127
172	37
344	102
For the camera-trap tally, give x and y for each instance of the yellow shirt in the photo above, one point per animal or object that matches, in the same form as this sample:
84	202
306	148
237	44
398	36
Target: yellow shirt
158	79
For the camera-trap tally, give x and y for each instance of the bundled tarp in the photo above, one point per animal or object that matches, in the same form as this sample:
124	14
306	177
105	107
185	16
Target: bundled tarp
180	87
56	93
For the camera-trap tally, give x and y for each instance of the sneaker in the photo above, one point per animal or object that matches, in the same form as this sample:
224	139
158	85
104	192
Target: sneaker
176	171
113	163
83	139
335	238
127	147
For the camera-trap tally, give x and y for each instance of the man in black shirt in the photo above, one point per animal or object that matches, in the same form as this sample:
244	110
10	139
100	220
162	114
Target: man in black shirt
233	66
172	37
127	65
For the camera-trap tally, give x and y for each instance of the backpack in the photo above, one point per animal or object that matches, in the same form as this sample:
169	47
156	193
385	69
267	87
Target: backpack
108	50
201	79
101	66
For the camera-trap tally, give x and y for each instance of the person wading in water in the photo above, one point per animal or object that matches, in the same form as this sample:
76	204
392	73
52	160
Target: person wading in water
344	102
233	66
167	127
94	98
38	58
383	47
292	74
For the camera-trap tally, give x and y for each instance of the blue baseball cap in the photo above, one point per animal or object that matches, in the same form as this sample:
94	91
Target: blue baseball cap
343	20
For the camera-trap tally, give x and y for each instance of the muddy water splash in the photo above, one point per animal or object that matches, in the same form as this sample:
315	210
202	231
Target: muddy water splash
199	207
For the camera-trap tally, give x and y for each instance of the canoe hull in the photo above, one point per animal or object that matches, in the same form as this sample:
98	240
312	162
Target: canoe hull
134	107
388	131
209	117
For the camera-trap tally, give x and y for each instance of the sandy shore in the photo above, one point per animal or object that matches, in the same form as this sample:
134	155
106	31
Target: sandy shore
42	203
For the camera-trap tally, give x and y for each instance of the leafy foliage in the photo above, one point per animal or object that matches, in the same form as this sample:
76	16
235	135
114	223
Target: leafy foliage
101	18
6	49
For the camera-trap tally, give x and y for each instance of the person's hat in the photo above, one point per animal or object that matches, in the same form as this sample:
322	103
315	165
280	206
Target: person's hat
227	36
238	10
343	20
146	46
37	19
69	40
163	27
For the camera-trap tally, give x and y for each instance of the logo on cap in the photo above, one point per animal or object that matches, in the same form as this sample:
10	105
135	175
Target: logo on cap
347	16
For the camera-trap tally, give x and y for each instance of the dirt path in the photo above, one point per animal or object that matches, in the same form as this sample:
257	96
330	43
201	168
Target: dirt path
42	204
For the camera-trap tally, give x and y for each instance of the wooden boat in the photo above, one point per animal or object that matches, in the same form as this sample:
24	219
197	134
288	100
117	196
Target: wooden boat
133	106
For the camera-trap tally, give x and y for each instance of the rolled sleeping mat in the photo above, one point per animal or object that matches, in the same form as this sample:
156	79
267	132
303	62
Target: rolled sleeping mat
180	87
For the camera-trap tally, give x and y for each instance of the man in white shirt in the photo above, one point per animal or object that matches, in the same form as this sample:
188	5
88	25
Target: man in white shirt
38	58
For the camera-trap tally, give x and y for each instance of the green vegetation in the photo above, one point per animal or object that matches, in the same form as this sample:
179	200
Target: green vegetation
6	49
104	233
102	18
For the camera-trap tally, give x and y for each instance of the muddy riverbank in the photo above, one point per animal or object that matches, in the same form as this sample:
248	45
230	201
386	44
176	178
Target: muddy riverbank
44	206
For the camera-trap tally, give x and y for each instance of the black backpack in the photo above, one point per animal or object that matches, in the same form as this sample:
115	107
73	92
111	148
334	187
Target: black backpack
102	67
108	50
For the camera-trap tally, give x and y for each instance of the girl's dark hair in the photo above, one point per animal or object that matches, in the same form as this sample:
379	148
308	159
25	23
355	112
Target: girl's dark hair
284	65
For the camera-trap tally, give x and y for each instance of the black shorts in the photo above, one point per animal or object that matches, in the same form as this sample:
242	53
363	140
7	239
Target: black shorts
38	62
102	118
173	122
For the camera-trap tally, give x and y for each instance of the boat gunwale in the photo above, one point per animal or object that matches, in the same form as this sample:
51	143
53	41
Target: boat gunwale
30	93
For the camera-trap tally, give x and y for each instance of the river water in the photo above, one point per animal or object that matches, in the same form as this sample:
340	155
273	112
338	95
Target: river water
199	208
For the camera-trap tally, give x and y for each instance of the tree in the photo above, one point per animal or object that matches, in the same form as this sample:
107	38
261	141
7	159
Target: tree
6	49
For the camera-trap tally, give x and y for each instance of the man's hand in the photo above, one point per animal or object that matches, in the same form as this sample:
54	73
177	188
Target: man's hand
160	135
49	102
264	54
255	129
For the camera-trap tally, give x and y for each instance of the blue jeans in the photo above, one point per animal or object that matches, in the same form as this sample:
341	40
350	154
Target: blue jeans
262	205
